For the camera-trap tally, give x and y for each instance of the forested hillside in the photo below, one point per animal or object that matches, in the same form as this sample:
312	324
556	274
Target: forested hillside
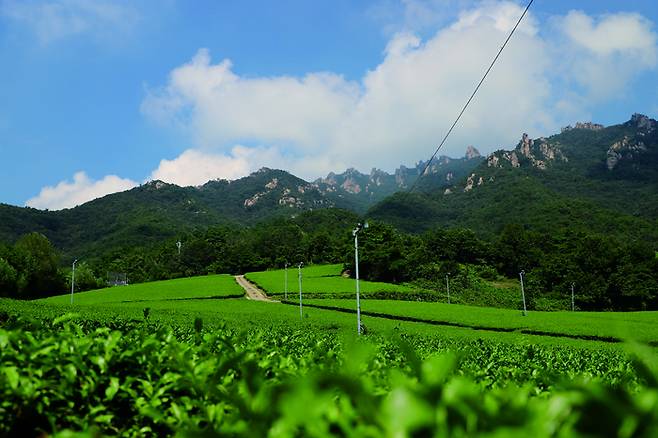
579	207
587	178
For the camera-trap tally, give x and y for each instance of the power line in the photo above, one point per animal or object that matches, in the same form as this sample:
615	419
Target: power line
471	98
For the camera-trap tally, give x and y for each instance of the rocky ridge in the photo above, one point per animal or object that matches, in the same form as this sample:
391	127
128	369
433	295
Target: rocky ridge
378	184
542	153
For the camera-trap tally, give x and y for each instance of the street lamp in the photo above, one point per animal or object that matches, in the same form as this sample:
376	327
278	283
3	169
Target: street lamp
573	302
299	276
73	279
355	233
285	282
521	274
448	286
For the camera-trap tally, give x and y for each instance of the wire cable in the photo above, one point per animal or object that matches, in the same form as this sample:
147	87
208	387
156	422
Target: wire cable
427	165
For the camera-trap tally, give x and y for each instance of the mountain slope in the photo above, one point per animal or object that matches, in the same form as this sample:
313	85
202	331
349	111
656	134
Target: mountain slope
365	190
587	177
156	210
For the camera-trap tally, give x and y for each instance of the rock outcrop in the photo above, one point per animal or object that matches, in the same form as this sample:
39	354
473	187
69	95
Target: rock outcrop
625	149
583	125
378	184
643	123
471	153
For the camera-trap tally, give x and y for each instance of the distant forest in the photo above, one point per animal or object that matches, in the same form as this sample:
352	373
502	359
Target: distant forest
607	273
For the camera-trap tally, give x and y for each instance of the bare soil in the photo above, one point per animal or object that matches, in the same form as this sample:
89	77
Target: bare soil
252	291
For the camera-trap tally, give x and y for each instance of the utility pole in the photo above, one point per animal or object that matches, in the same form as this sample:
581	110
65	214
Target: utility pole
73	279
355	233
285	282
448	286
521	274
299	276
573	303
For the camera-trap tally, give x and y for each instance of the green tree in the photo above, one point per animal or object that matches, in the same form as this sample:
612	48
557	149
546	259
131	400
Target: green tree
84	278
8	276
38	271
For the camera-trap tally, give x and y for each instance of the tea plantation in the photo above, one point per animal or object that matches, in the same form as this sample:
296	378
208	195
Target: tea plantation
183	357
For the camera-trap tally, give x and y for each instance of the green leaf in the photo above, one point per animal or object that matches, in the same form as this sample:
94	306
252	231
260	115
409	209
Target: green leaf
111	390
4	339
12	376
70	316
107	418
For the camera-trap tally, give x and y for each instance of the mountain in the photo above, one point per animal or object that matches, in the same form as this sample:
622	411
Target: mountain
588	177
365	190
157	210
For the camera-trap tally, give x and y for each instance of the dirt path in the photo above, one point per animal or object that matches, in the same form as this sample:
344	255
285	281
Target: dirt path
252	291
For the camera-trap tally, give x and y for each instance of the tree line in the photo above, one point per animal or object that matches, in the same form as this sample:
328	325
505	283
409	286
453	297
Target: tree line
606	273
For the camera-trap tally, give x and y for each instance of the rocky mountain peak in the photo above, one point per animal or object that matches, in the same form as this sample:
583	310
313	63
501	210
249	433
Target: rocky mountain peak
537	152
625	149
643	122
471	153
156	184
262	170
583	125
525	144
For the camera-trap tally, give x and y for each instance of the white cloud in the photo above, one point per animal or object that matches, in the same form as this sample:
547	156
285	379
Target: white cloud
395	114
57	19
622	32
82	189
549	76
196	167
223	106
602	56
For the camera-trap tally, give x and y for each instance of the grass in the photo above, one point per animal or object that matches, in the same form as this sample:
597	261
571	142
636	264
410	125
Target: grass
186	299
637	326
247	314
165	376
180	288
324	279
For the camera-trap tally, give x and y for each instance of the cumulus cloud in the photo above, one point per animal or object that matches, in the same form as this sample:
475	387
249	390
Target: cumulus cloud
395	114
549	76
617	33
57	19
223	106
195	167
603	54
67	194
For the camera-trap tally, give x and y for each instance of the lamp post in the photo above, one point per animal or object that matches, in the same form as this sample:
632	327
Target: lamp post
355	233
73	279
299	276
285	282
448	286
573	303
521	274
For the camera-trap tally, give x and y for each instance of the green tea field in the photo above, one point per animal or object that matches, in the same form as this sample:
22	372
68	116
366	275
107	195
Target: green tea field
188	356
325	280
211	286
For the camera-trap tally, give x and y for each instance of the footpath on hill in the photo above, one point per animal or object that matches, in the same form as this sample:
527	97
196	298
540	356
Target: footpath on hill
252	291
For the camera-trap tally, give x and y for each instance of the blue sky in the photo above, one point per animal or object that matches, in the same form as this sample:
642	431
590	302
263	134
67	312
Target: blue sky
98	96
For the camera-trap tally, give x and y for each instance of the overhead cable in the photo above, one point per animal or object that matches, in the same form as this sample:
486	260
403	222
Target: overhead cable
427	165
